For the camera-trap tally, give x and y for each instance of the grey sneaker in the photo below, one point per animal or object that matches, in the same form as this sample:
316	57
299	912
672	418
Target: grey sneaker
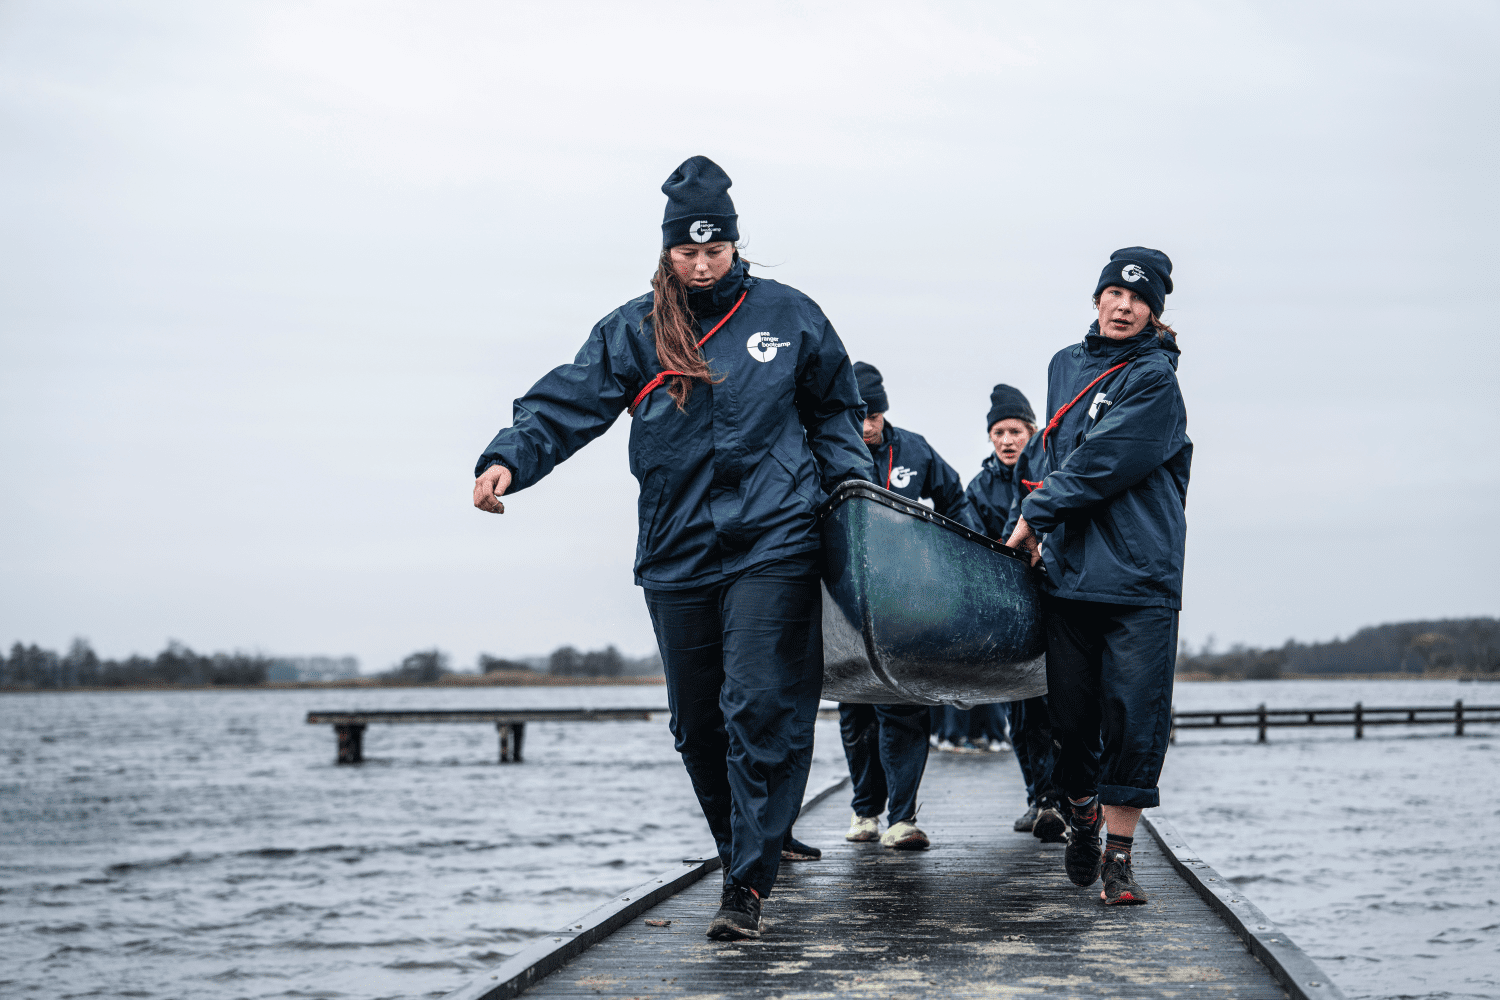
904	836
1026	820
863	829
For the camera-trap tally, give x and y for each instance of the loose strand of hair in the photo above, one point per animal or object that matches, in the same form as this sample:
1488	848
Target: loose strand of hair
676	339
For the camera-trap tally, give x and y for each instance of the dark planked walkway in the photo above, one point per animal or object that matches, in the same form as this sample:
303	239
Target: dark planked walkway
985	913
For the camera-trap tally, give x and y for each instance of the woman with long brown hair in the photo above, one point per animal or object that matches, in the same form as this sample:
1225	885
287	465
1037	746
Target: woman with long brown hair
745	413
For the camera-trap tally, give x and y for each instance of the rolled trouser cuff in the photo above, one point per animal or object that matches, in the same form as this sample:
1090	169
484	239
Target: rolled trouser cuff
1126	795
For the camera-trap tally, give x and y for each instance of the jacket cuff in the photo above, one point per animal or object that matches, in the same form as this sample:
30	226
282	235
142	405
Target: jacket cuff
1037	515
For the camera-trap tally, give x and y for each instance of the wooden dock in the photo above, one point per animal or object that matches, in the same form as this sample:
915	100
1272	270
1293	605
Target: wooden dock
985	913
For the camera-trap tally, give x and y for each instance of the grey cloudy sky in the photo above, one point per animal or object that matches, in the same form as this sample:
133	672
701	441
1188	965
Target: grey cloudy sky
272	273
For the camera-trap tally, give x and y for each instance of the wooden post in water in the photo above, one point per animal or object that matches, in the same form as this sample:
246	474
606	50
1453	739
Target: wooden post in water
1458	717
351	737
1359	720
1262	718
1172	733
511	736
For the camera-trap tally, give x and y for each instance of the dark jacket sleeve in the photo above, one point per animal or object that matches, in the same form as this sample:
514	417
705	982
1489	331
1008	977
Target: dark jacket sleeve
830	407
1026	470
991	521
946	491
569	407
1140	431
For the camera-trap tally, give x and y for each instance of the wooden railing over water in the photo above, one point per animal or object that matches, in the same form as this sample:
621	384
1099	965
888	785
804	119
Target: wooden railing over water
1263	719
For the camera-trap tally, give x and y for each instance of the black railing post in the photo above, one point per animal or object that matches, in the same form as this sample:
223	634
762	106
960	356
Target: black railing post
1262	720
1172	733
1359	720
1458	717
351	737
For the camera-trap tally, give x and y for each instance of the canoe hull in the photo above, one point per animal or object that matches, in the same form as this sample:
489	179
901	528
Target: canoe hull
919	610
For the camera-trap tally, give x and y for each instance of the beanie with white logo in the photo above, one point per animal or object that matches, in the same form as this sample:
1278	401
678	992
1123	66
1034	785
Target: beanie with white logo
698	206
1146	272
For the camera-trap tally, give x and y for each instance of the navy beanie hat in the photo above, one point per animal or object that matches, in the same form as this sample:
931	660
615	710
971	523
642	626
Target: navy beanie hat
1146	272
1007	402
871	388
698	205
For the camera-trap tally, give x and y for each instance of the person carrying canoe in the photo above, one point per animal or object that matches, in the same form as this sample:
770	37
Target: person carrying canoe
1011	424
886	745
1106	515
746	412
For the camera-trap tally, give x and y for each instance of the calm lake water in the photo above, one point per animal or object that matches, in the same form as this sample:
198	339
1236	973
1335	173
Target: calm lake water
204	844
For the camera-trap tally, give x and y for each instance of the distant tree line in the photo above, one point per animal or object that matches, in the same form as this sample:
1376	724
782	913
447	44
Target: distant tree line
34	667
1459	644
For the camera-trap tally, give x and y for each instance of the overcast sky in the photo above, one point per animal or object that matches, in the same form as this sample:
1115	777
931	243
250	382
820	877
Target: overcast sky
272	274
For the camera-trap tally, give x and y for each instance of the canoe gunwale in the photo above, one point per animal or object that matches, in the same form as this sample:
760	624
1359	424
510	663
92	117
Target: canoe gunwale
852	488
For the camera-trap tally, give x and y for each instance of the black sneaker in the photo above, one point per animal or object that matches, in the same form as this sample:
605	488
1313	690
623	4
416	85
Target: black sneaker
793	849
1081	859
739	914
1050	827
1120	886
1027	819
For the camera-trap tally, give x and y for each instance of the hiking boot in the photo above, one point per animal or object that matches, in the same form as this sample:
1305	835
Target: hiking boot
739	914
793	849
863	829
1026	820
904	836
1050	827
1081	859
1120	886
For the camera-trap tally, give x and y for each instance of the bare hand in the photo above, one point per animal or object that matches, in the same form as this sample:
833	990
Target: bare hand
489	487
1025	539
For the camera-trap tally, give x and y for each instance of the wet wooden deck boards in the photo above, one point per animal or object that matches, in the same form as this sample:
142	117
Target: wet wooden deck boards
985	913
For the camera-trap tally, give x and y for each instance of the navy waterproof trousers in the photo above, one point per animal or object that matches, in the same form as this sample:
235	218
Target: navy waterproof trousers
886	746
744	666
1109	688
1031	735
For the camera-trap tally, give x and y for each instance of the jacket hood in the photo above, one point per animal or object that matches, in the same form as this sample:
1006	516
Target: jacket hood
717	300
995	467
1142	344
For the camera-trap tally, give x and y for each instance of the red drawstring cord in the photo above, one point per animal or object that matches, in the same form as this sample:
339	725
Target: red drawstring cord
656	382
1057	417
890	461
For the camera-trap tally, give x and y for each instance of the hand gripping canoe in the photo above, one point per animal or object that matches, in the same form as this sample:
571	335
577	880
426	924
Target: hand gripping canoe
919	610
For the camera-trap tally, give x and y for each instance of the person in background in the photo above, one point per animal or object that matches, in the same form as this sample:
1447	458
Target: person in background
1106	513
745	413
1010	424
886	745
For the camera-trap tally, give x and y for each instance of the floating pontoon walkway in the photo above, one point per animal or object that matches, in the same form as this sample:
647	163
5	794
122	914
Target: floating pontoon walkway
985	913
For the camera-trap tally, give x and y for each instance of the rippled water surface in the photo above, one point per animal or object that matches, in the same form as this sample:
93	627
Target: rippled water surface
204	844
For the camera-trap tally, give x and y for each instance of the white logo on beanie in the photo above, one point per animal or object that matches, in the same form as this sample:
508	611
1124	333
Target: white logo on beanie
702	231
1130	272
762	346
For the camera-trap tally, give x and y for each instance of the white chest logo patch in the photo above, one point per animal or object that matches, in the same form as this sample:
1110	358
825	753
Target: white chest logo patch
1130	272
763	346
1099	401
702	231
901	476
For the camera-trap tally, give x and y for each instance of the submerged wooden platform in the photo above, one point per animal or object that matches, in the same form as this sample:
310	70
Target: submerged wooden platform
985	913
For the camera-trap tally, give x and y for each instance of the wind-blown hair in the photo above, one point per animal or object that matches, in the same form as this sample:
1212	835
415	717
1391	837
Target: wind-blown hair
676	339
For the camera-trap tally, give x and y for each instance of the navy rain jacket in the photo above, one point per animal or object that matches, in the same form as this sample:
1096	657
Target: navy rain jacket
906	464
991	493
733	482
1113	474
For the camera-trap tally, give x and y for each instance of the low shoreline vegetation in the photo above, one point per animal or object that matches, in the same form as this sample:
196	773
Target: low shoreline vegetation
34	668
1450	647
